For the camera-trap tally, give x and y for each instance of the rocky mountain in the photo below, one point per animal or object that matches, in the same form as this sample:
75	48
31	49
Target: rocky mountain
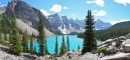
27	14
119	29
63	24
99	25
81	23
53	23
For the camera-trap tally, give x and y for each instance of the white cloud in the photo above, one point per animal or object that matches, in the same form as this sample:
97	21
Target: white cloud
99	13
56	8
2	5
118	21
124	2
45	12
65	7
98	2
89	2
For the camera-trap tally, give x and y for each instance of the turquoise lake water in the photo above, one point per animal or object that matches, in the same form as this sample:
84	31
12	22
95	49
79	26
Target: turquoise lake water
74	42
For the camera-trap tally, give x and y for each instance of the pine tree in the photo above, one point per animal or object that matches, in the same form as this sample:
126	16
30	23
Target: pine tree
56	46
35	49
78	47
68	43
63	48
89	42
31	45
5	25
0	37
25	41
46	48
41	38
15	41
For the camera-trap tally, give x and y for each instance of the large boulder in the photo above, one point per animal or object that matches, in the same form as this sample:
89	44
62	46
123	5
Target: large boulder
7	58
127	36
118	56
89	56
119	41
111	50
126	45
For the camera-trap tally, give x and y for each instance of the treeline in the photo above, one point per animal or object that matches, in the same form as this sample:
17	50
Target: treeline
18	41
117	30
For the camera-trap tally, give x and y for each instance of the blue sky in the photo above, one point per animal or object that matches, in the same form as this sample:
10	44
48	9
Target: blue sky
107	10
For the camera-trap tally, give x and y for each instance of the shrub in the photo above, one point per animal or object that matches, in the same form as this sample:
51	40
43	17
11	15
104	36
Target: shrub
101	50
4	42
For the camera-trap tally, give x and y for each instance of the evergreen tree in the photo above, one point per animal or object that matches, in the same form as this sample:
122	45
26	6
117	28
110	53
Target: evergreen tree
46	48
63	48
56	46
31	45
35	49
0	37
4	26
41	37
89	42
68	43
78	47
15	41
25	41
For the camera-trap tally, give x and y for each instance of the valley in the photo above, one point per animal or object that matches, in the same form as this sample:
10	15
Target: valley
63	32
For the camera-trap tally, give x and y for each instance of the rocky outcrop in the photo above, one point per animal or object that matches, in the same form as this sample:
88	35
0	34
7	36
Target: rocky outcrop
118	56
127	36
126	46
90	56
111	50
27	14
117	48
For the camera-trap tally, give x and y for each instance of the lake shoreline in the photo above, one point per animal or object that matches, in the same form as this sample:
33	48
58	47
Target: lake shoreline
73	46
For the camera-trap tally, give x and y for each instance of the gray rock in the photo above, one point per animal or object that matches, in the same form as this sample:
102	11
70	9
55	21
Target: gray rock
122	38
119	41
126	45
27	14
111	49
128	36
89	56
7	58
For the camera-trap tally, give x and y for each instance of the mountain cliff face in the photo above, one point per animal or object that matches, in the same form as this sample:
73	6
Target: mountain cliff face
66	26
55	20
26	13
99	25
63	24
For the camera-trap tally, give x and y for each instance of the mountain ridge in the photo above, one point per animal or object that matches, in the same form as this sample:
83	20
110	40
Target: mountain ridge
26	13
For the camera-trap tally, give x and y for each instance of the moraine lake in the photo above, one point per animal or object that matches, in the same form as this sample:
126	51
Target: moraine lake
74	42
